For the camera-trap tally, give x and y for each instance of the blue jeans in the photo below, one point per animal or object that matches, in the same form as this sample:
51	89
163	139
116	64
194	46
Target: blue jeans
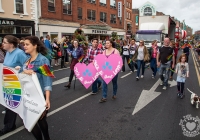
95	84
153	66
139	64
164	69
105	87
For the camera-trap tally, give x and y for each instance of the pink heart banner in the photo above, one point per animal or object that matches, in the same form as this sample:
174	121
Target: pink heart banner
108	67
86	74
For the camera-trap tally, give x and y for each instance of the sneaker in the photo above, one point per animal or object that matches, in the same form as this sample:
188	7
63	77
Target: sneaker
135	70
142	76
114	97
178	94
3	112
102	100
137	78
164	87
93	93
181	95
153	77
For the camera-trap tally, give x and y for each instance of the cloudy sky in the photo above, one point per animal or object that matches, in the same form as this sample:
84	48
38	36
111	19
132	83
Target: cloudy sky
180	9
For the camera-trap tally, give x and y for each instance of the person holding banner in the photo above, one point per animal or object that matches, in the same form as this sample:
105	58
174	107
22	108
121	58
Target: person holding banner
109	51
75	53
14	57
92	52
37	59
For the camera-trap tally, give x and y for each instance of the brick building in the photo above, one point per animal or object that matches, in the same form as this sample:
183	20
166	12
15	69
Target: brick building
97	18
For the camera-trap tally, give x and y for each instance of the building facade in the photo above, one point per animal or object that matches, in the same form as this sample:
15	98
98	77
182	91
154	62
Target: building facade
16	18
97	18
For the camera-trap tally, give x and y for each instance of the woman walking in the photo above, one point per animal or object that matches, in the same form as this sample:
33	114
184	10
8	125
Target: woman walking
109	51
56	49
133	48
126	55
173	45
62	49
37	52
75	53
141	56
153	55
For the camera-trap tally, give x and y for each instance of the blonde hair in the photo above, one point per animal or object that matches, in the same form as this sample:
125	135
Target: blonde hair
63	39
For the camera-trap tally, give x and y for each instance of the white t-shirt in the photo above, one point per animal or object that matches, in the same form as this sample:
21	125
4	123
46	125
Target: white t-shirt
132	49
140	53
125	50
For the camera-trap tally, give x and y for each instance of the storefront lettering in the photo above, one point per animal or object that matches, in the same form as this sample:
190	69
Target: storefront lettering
99	32
6	22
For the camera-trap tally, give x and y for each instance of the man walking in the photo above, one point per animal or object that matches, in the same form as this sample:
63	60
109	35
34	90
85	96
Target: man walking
164	57
91	53
47	44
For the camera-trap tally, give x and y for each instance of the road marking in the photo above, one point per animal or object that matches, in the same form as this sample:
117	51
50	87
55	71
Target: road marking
196	67
61	69
172	83
60	81
49	114
126	75
146	97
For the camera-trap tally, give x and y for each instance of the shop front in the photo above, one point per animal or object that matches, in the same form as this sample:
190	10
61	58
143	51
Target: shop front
17	28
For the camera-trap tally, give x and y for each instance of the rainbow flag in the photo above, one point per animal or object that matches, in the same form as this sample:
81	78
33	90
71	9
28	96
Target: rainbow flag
169	57
65	46
129	61
45	70
81	58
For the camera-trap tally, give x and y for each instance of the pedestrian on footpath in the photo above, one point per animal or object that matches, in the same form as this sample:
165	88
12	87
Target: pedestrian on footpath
109	51
182	70
153	55
133	47
75	54
14	57
62	49
141	56
37	52
173	45
56	49
92	52
126	55
164	57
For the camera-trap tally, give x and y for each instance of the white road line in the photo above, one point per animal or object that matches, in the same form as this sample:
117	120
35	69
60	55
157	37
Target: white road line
194	58
49	114
61	69
60	81
126	75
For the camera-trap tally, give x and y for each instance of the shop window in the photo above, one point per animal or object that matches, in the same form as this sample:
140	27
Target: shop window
7	30
67	7
51	5
148	11
113	4
102	2
92	1
80	13
102	16
91	14
113	18
19	6
26	30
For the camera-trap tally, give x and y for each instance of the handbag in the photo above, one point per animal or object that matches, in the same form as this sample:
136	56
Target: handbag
59	53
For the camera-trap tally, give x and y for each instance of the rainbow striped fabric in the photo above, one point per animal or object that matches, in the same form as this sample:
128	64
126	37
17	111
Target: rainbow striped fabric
45	70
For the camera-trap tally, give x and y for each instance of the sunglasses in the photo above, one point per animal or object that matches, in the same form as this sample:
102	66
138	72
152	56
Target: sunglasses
141	42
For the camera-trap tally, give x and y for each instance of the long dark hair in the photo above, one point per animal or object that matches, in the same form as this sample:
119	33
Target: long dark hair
35	41
1	48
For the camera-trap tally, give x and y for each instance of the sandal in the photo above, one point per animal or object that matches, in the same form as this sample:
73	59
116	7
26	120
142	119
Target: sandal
114	97
102	100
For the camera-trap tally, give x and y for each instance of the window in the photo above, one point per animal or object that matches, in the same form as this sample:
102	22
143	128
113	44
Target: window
91	14
51	5
79	13
148	11
102	16
26	30
7	30
112	18
92	1
19	6
113	4
129	5
128	15
67	7
102	2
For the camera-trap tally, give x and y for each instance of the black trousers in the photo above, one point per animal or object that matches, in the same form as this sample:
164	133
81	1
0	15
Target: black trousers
62	61
71	76
127	57
9	120
41	128
180	86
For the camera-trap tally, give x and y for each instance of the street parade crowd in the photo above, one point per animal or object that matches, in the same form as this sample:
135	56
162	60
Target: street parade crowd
32	52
